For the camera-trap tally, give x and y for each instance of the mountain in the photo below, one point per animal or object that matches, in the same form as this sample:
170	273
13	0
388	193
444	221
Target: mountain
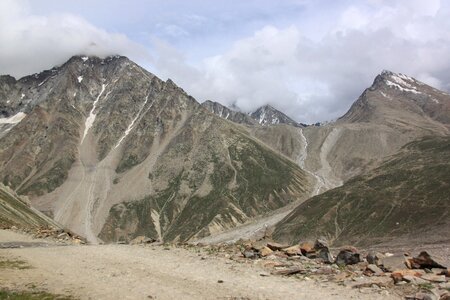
267	115
16	211
109	150
227	113
394	110
406	197
396	100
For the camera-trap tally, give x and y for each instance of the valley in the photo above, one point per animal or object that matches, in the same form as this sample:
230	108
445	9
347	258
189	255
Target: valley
100	151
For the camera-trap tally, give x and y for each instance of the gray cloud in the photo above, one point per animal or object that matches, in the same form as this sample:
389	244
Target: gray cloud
311	59
31	43
316	80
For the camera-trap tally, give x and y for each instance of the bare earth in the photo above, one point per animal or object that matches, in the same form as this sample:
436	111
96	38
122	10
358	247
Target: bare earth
138	272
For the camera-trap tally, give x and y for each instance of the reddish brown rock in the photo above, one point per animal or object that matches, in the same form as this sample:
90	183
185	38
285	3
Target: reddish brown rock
276	246
265	251
293	250
424	260
307	247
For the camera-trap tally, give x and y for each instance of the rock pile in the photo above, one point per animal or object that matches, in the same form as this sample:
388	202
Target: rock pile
415	277
61	235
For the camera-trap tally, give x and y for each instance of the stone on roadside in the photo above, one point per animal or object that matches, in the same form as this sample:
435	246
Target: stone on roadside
392	263
347	256
307	247
414	279
322	251
422	296
374	257
374	269
293	250
399	275
250	253
424	260
434	278
276	246
266	251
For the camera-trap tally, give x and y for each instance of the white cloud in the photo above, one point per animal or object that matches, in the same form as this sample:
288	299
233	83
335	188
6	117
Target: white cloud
316	80
31	43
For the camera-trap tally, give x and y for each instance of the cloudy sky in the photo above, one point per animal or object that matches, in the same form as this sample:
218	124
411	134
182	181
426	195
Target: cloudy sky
308	58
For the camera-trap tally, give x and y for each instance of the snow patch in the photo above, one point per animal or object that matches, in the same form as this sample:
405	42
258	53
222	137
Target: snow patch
14	119
90	120
130	127
435	100
80	78
262	118
22	96
8	101
405	77
85	58
398	86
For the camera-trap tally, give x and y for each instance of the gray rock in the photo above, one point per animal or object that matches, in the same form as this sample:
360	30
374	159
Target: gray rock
347	257
392	263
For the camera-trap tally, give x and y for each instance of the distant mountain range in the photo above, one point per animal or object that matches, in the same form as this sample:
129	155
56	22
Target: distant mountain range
265	115
112	152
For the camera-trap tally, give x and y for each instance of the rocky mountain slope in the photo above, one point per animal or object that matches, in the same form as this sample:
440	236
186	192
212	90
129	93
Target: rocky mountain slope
16	211
407	196
384	118
395	110
110	150
227	113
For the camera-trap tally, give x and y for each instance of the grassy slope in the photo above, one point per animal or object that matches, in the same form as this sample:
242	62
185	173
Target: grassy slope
408	195
254	180
15	212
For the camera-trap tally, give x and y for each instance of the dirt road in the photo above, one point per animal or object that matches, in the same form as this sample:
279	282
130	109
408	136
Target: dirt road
138	272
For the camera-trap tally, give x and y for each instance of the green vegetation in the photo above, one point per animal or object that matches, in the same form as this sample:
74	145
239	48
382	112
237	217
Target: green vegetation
127	163
407	194
243	181
31	295
13	264
15	212
51	179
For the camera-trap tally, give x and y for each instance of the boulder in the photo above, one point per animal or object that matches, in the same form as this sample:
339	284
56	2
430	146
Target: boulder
320	244
424	260
374	269
414	280
374	257
434	278
250	253
347	256
306	247
322	251
392	263
276	246
325	255
265	251
293	250
399	275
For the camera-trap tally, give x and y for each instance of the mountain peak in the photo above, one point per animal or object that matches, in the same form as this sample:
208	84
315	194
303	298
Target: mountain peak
268	115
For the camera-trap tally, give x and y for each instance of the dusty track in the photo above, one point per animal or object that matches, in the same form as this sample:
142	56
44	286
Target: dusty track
135	272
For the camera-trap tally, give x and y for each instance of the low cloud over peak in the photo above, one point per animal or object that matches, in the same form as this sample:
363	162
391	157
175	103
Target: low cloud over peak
31	43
